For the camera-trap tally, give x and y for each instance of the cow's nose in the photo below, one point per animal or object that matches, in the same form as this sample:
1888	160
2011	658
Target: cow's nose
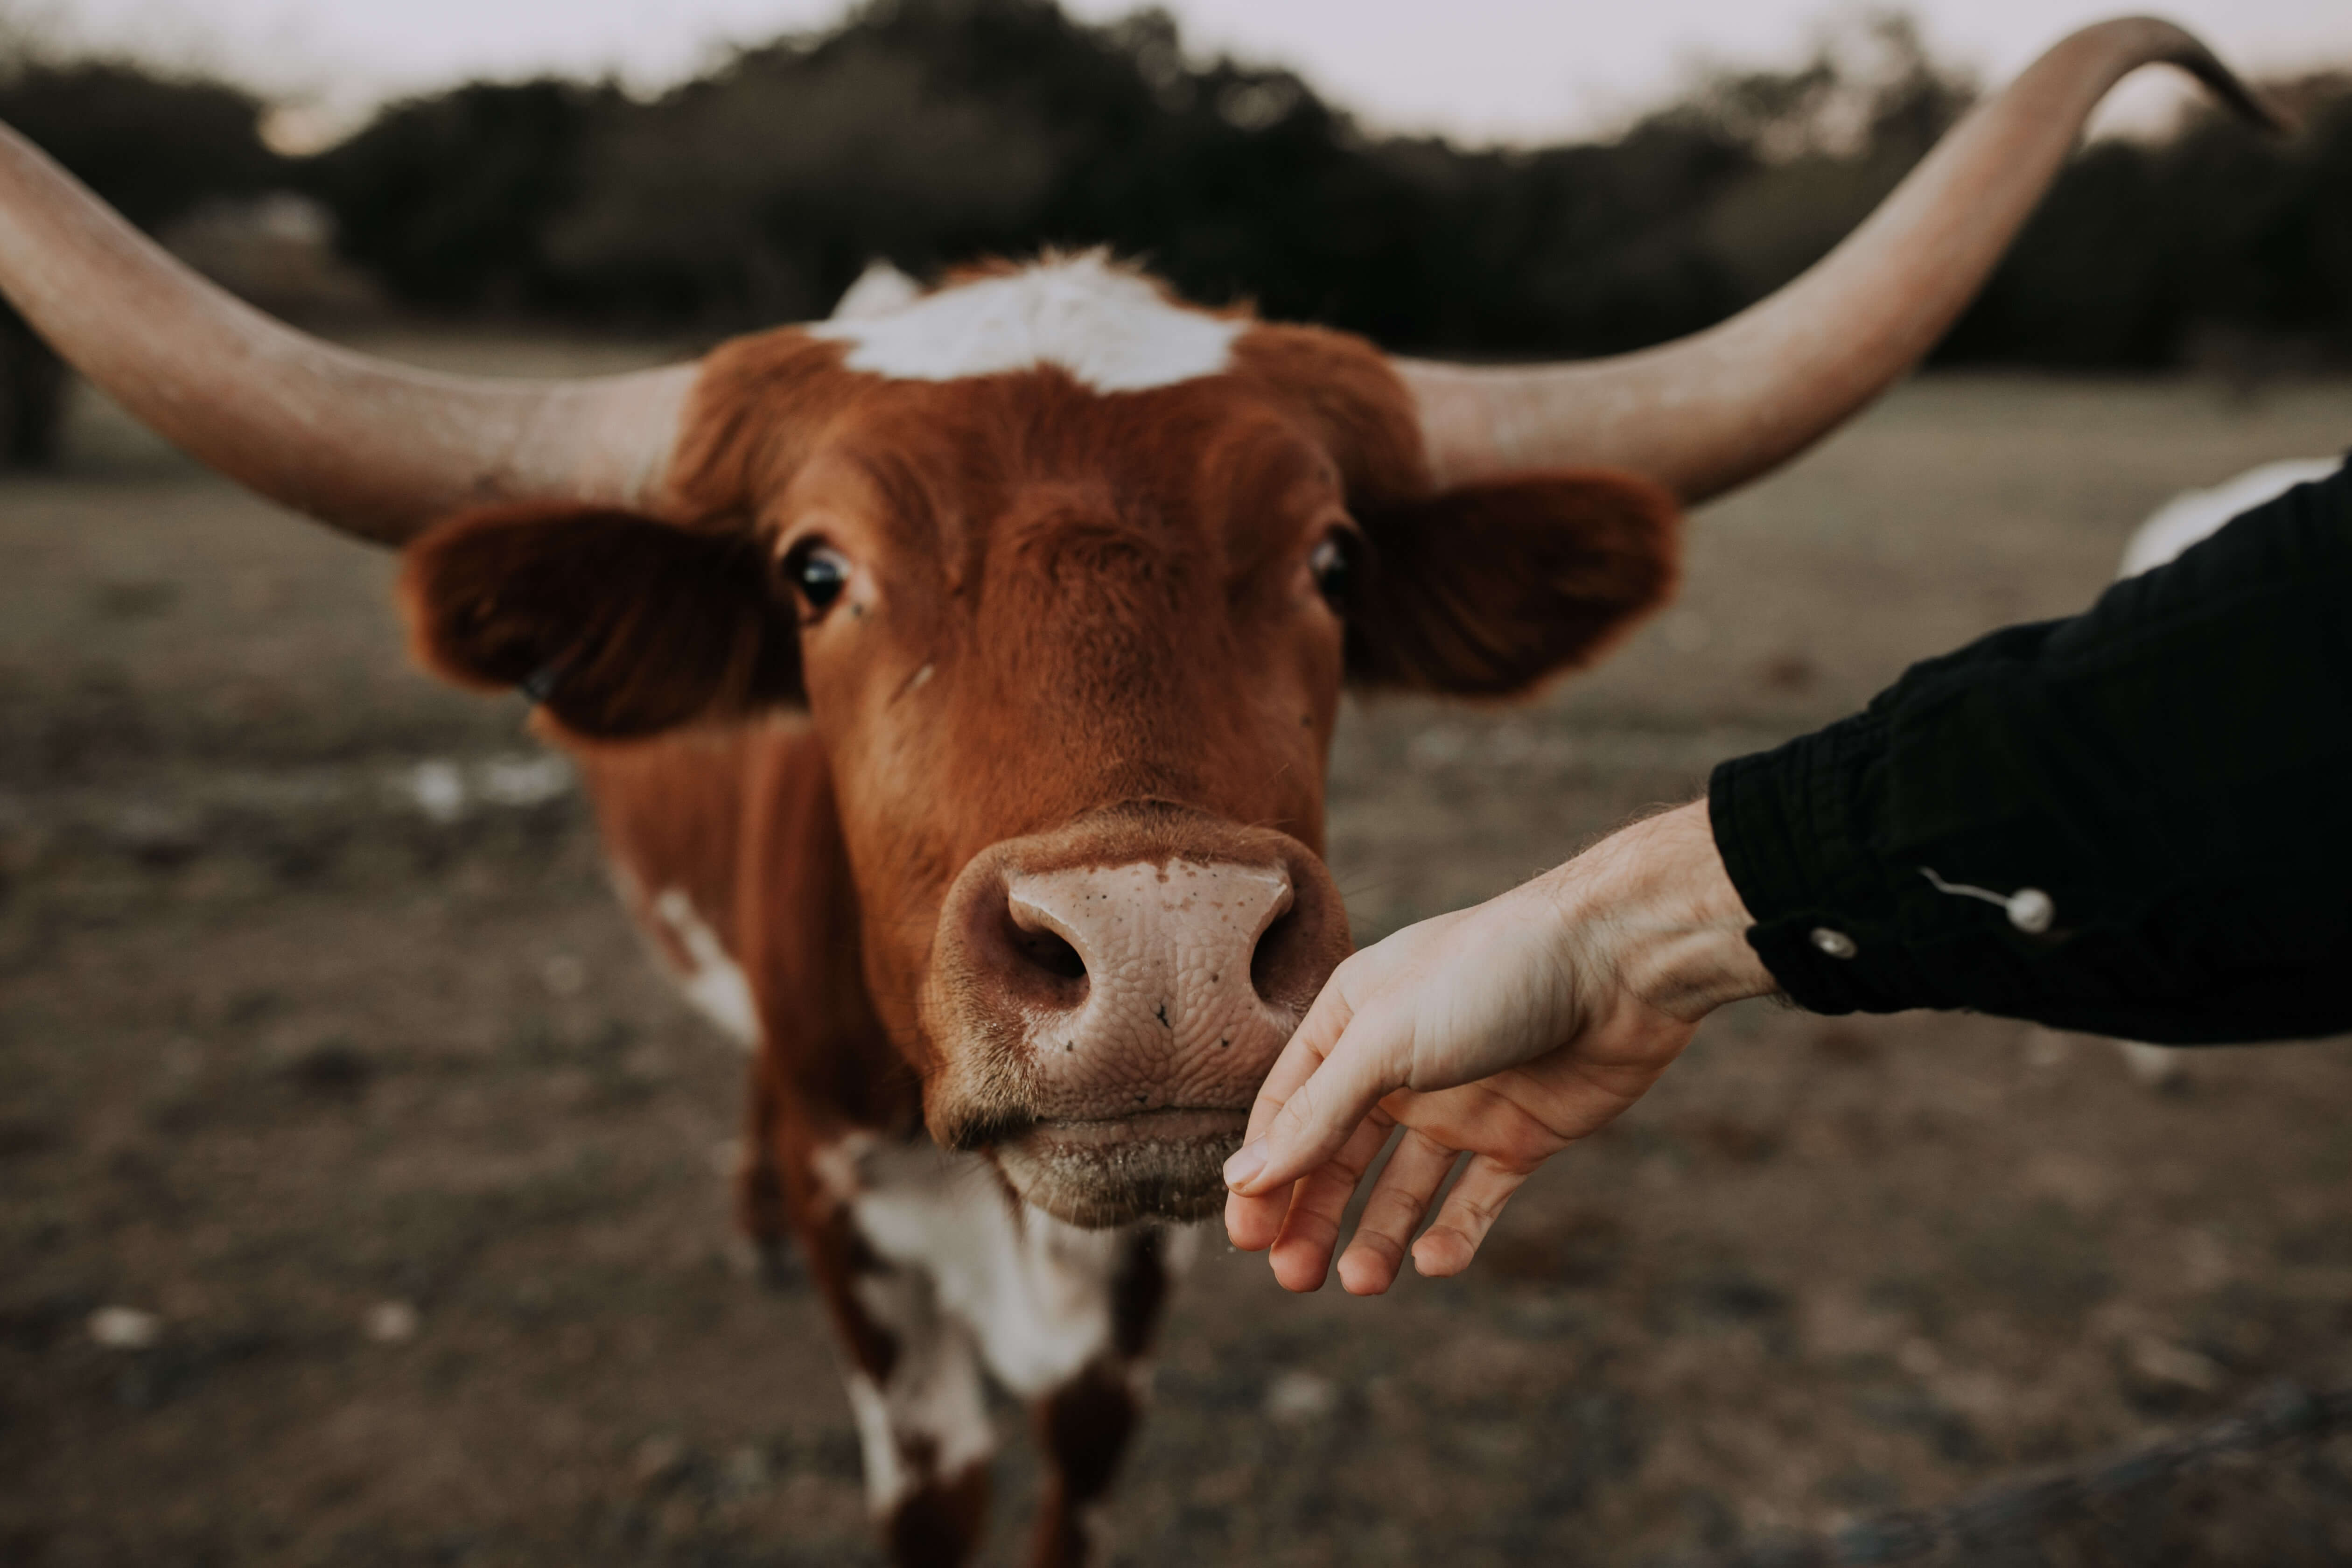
1211	935
1150	986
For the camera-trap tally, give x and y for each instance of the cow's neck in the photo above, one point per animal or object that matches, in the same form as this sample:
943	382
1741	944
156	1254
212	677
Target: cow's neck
729	856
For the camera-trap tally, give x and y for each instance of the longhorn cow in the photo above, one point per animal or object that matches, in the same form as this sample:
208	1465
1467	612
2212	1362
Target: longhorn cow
954	679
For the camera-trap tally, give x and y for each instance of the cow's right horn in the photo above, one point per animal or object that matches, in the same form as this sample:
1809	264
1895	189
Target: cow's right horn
372	448
1715	409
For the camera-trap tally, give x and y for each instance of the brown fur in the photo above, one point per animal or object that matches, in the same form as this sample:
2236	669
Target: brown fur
1489	590
631	627
1344	390
1086	602
1085	1428
943	1522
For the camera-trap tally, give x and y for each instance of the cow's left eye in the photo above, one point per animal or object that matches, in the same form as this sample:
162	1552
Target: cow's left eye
818	572
1333	565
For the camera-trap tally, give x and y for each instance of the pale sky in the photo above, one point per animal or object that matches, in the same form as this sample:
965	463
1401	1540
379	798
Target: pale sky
1478	70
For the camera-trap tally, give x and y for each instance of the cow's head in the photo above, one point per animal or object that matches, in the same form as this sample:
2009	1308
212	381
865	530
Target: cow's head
1068	576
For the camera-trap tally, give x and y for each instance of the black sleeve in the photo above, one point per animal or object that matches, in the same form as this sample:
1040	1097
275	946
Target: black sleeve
2171	770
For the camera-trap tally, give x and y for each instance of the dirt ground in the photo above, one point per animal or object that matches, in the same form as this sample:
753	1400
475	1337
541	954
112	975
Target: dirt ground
322	1042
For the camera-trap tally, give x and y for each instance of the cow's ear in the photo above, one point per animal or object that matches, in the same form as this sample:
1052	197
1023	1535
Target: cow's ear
617	625
1485	590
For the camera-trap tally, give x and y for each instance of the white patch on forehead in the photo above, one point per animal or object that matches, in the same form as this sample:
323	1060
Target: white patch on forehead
712	981
1036	1292
879	289
1109	328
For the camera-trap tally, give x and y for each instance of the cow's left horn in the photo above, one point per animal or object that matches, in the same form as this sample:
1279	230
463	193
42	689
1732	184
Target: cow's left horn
1715	409
373	449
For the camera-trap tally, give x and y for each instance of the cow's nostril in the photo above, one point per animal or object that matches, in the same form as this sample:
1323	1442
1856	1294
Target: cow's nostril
1047	951
1275	964
1032	952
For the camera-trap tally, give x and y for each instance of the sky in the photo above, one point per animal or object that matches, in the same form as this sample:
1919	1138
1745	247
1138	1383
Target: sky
1476	70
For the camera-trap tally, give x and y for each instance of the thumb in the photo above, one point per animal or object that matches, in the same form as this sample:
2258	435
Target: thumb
1336	1067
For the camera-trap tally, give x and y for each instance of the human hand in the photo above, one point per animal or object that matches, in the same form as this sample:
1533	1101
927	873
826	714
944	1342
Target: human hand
1506	1031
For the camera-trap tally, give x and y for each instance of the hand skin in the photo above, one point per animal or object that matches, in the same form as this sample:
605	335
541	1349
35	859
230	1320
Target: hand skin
1506	1031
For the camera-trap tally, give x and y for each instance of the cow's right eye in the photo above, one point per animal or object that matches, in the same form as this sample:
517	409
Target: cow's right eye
817	572
1333	565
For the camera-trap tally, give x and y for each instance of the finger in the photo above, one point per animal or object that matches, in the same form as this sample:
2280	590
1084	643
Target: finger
1253	1223
1326	1019
1302	1253
1407	1186
1299	1056
1367	1061
1470	1212
1254	1216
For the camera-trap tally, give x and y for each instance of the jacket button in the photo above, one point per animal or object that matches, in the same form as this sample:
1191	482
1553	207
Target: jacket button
1836	943
2031	910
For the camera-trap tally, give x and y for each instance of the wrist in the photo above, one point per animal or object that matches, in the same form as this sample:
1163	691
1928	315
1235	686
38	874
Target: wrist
1657	901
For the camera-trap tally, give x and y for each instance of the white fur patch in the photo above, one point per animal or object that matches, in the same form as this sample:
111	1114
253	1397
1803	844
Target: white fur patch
714	984
1109	328
966	1263
931	1409
879	289
1035	1292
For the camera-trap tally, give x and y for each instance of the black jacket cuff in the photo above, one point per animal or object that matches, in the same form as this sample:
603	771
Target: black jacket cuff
1788	825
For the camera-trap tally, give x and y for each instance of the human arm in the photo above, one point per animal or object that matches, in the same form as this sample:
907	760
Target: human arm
2166	772
2170	771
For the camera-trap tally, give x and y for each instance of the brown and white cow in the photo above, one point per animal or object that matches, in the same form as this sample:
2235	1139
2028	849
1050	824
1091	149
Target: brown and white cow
954	680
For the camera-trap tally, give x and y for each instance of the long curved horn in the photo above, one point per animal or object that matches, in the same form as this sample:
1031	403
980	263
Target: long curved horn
372	448
1715	409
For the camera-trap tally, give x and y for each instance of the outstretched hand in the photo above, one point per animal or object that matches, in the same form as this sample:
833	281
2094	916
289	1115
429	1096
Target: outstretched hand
1507	1032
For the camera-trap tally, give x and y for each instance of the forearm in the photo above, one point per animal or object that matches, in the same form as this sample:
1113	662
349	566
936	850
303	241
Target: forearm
1655	900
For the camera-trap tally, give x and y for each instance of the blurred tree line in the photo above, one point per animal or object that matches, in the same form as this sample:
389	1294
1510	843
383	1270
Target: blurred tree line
933	132
156	148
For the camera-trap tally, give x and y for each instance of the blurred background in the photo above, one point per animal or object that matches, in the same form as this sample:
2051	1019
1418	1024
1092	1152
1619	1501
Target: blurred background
753	189
360	1183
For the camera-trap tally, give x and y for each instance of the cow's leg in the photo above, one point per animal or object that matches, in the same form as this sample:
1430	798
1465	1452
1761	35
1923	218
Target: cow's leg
1083	1424
922	1420
763	1208
1083	1427
914	1379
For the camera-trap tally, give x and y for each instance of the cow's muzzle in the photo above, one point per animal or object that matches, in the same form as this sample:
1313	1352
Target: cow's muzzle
1106	999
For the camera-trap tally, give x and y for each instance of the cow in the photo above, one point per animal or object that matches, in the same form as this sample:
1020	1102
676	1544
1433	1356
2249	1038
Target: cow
954	679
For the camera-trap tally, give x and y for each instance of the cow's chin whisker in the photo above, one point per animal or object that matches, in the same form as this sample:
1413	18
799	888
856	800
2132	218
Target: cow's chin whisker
1163	1164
